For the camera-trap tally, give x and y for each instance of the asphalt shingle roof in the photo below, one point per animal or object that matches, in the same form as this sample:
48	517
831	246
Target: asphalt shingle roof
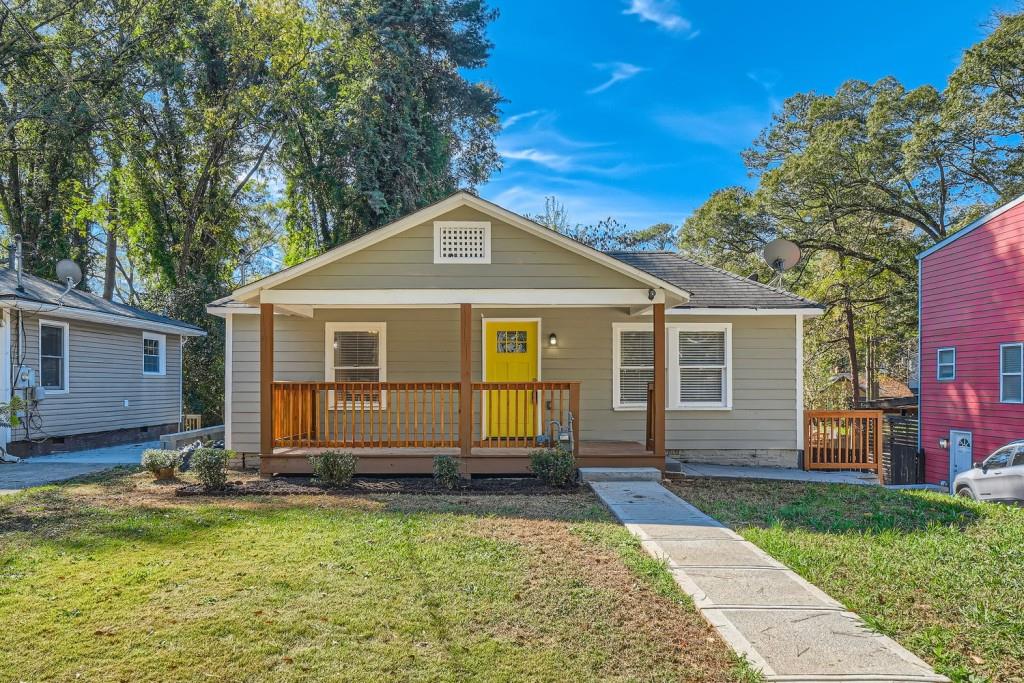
39	290
710	287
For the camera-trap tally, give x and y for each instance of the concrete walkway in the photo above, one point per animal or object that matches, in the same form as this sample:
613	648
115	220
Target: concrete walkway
778	473
786	627
46	469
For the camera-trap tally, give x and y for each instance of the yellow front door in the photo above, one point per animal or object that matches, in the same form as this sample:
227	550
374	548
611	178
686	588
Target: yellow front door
511	356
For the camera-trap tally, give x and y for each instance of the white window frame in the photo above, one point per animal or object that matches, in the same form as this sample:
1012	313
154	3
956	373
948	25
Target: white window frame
162	340
1003	375
617	329
672	331
939	364
382	359
66	370
441	225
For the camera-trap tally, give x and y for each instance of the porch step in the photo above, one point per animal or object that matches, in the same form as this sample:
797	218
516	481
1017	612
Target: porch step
589	474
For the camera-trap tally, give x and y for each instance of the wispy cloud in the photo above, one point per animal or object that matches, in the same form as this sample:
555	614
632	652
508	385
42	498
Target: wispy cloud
556	162
588	202
767	79
541	143
516	118
732	128
664	13
620	71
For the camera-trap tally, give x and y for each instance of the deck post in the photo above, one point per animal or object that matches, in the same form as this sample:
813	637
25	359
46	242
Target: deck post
658	405
266	382
465	380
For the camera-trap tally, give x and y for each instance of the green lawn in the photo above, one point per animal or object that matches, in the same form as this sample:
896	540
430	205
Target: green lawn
115	579
943	576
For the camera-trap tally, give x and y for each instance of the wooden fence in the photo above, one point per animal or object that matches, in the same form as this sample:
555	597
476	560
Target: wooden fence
843	440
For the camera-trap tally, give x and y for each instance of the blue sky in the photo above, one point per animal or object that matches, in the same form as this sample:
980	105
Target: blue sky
638	109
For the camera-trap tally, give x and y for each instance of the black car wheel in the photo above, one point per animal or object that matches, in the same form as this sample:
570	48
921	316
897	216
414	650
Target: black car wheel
965	492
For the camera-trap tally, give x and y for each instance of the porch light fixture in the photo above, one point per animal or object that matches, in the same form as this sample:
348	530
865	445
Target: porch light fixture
552	339
943	443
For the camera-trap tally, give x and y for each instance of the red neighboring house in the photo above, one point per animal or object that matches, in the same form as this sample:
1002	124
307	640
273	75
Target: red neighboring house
972	342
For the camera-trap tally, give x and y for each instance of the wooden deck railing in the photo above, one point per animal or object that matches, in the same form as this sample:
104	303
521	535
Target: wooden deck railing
518	414
420	414
843	440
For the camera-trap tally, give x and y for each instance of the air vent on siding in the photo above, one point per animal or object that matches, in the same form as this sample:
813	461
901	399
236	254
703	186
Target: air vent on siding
462	242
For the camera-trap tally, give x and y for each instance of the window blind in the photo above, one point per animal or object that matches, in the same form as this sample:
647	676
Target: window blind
702	367
636	366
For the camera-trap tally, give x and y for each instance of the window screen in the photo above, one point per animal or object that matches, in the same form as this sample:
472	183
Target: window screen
1011	364
51	357
151	356
946	364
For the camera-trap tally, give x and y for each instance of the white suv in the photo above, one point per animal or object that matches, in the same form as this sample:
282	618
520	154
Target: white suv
999	477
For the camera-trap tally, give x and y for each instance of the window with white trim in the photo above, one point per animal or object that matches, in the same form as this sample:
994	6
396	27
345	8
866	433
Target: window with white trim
633	353
54	351
1011	373
945	364
699	365
154	353
462	242
356	352
700	356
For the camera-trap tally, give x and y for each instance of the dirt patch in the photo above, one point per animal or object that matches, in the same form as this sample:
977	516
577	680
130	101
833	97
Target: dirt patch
305	486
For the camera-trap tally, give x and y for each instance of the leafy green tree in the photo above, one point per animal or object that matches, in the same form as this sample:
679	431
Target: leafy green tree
384	121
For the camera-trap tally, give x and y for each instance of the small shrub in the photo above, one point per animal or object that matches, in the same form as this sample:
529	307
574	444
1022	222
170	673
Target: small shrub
154	460
334	468
210	465
446	471
553	466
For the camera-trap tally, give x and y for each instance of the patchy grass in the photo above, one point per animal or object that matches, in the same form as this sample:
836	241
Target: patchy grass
115	579
943	576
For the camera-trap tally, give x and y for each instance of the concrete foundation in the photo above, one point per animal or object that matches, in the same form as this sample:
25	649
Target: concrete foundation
739	458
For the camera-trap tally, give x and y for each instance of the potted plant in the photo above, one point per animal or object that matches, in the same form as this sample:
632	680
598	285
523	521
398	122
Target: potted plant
161	463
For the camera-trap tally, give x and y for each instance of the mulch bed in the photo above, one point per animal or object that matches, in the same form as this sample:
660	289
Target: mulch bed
305	486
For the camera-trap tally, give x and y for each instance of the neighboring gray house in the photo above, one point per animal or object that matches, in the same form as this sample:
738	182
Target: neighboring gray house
93	372
467	329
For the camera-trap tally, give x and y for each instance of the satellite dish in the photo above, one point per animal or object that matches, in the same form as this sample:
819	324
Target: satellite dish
781	254
68	273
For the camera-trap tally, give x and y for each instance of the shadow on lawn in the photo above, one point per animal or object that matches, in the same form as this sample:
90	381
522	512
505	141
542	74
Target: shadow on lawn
828	508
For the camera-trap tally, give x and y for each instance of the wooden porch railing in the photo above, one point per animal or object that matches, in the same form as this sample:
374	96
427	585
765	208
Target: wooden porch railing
843	440
518	414
420	414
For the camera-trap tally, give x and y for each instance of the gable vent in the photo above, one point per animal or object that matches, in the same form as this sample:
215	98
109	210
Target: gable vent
462	242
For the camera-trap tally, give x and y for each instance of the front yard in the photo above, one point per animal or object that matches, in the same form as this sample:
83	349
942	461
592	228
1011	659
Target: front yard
116	579
943	576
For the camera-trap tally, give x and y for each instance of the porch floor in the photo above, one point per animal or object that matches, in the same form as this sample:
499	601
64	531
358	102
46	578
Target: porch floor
399	460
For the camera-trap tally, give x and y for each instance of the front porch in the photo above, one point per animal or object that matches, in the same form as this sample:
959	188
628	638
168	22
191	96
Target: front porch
398	427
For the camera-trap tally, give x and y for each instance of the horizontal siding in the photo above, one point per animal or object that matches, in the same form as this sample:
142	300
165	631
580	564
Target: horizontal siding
423	345
105	369
518	260
972	298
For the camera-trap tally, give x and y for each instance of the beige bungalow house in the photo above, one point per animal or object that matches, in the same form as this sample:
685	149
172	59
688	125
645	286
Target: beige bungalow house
467	329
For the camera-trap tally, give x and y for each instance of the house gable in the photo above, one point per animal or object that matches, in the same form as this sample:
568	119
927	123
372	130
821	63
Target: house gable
518	260
524	256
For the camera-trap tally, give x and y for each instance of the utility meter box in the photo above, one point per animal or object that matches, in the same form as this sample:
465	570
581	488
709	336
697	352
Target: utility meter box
37	393
26	378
